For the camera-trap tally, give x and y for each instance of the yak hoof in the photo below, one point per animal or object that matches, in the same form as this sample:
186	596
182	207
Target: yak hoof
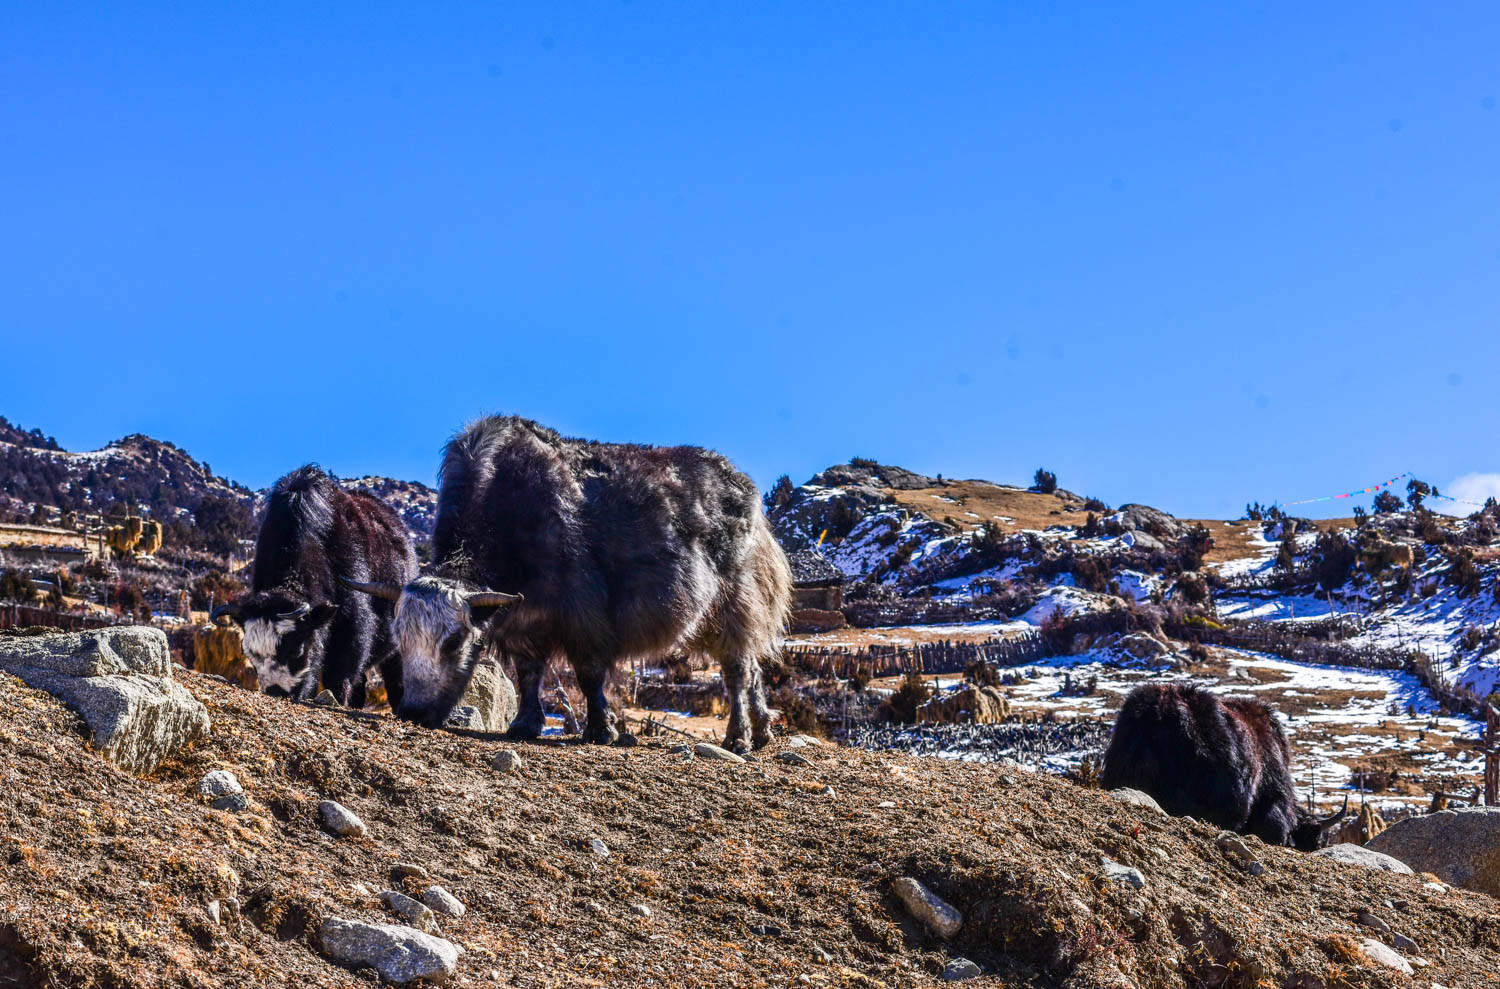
518	732
737	745
600	735
761	739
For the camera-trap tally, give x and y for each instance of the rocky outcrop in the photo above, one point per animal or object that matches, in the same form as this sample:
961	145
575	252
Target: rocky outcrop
1460	847
967	705
493	698
120	680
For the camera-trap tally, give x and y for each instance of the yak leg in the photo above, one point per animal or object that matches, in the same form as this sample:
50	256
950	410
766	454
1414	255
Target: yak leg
600	729
390	674
530	718
737	686
761	714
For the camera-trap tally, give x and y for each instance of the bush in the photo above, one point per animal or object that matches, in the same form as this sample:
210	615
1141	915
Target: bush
213	586
780	494
1192	588
1386	502
16	586
1044	481
1194	547
1463	573
1091	527
903	704
1095	505
1333	560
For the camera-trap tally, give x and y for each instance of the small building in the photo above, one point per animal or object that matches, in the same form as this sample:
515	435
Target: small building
816	583
45	544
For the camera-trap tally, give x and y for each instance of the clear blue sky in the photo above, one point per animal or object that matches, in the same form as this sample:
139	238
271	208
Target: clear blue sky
1183	256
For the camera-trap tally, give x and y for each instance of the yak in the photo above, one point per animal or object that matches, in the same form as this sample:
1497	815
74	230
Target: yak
1222	760
550	546
304	627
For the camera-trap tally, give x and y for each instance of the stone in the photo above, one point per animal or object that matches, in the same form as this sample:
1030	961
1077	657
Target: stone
232	803
325	698
219	783
959	969
708	750
408	870
793	759
493	697
1137	798
1115	872
341	820
1359	855
641	910
1385	956
415	913
400	954
120	680
766	930
507	761
466	716
936	914
821	955
599	848
1374	923
1401	942
442	901
1460	847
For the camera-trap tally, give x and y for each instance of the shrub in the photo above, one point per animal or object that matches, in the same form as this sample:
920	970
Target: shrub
1192	588
1095	505
1463	573
1417	490
1194	547
903	704
1386	502
1091	527
864	462
1333	560
211	587
1044	481
16	586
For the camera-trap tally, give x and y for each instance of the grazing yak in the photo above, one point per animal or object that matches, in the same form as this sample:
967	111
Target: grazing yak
303	626
1222	760
549	546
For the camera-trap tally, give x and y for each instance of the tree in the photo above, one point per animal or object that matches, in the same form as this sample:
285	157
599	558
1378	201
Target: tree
1286	556
1360	515
780	494
1417	490
1385	503
1045	481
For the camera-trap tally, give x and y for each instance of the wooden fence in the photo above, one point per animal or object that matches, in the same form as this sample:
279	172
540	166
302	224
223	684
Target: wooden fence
922	657
22	616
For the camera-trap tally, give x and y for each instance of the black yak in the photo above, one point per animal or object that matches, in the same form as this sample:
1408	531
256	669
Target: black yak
549	546
1222	760
303	625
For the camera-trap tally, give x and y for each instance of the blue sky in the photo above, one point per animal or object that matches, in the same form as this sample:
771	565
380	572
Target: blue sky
1190	257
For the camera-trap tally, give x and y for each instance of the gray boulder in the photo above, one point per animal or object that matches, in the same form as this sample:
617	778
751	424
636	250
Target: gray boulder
1460	847
120	680
493	698
1360	855
400	954
1137	798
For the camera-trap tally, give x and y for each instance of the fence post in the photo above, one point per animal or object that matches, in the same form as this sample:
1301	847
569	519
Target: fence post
1491	756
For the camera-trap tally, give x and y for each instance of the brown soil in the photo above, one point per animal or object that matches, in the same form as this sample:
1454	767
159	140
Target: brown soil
104	875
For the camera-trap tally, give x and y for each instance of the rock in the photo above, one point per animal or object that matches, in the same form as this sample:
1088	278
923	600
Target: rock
926	906
959	969
1362	856
400	954
821	956
415	913
466	716
1401	942
1115	872
341	820
640	910
219	783
408	870
325	698
442	901
708	750
793	759
507	761
796	742
828	791
233	803
120	680
1141	645
599	848
212	909
766	930
1460	847
491	694
1384	956
1137	798
1374	923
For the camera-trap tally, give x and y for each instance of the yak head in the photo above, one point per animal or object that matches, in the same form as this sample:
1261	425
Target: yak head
1311	832
438	628
278	626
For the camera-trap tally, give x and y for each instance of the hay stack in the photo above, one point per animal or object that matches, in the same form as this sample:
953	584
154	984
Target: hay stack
967	705
219	650
151	537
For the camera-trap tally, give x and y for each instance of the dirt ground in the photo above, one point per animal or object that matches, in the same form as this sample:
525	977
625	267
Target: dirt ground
749	871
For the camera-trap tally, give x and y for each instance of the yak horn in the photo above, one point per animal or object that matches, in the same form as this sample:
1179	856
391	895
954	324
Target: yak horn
388	591
1334	818
490	599
296	612
229	610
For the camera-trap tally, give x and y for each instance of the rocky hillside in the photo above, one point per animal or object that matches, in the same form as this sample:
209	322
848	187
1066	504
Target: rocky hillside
39	481
565	865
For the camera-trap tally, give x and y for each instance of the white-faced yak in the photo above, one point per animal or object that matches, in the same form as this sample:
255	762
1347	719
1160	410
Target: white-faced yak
549	546
1221	760
304	626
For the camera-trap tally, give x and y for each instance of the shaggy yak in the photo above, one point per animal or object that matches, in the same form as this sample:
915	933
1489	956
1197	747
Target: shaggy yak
1223	760
552	546
303	626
